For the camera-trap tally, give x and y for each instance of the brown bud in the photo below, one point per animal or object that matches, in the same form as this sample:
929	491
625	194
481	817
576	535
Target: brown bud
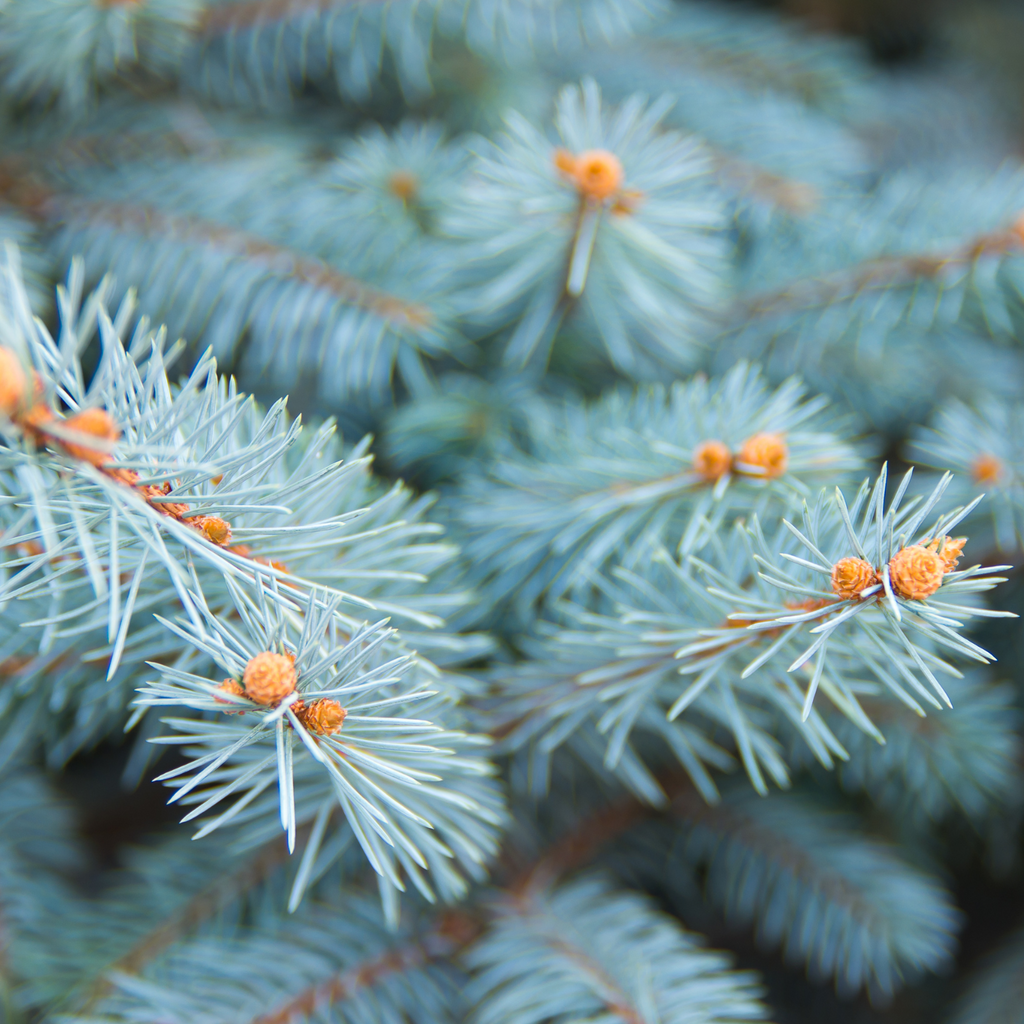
763	455
324	717
94	423
13	383
711	460
598	174
951	550
987	470
269	678
915	572
852	575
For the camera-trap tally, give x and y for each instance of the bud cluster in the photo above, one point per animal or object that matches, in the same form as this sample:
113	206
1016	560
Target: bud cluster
596	173
269	678
915	572
763	455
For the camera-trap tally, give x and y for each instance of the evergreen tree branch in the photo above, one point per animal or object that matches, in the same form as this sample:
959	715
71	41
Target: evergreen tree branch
795	197
606	482
584	950
53	208
451	933
983	445
218	894
280	262
247	13
844	904
884	273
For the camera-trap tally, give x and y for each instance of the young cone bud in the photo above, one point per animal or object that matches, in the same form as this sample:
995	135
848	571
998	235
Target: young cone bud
13	383
323	717
951	550
987	470
766	452
404	185
269	678
215	529
234	688
852	575
915	572
598	174
96	423
711	460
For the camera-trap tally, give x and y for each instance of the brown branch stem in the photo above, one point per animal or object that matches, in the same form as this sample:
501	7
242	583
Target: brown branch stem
45	204
449	935
247	13
880	273
221	892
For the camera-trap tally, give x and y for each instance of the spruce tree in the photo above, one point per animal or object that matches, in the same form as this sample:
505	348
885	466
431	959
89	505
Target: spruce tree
525	482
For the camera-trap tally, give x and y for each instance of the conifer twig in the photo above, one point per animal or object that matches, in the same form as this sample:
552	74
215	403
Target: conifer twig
450	934
218	894
882	272
246	13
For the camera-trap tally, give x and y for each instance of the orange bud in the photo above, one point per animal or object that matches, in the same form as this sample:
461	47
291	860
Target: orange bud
915	572
404	185
712	460
951	550
852	575
13	383
764	455
323	717
269	678
96	423
234	688
215	529
987	469
598	174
